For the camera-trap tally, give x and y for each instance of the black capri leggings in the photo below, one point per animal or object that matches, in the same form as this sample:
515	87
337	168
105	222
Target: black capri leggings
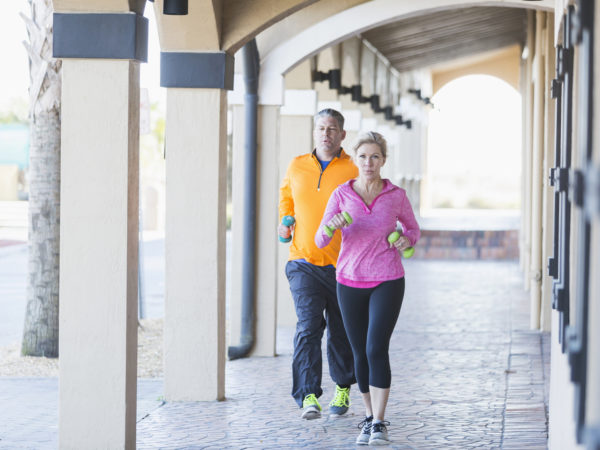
370	316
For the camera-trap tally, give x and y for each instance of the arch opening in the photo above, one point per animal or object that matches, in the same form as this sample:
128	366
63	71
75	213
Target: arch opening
474	147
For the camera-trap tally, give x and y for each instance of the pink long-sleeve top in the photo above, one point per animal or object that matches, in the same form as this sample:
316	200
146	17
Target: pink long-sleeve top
365	258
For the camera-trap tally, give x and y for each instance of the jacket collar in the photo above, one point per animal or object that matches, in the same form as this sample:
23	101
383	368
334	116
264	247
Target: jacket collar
387	185
341	154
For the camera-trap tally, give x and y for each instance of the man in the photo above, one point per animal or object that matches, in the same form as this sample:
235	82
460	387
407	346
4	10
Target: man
304	192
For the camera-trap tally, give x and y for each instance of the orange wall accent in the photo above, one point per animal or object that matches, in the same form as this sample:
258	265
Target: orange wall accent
504	64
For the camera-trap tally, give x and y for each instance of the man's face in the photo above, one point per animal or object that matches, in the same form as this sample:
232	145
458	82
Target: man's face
328	135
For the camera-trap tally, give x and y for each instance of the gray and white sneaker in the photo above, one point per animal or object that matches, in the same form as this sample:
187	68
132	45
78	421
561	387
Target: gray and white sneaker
379	434
365	432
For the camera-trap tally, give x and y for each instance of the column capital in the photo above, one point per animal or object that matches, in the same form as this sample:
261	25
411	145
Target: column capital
196	70
299	102
100	36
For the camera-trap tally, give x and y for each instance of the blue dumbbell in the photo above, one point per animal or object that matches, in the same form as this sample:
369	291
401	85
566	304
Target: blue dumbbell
287	221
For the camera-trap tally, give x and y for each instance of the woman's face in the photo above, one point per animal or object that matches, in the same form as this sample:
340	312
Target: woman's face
369	160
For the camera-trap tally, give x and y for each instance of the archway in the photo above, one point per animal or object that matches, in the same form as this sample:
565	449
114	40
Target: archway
474	154
280	58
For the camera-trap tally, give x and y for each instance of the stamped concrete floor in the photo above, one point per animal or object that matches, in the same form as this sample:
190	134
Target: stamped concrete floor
466	373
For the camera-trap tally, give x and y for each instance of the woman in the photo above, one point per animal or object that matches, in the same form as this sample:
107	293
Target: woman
370	276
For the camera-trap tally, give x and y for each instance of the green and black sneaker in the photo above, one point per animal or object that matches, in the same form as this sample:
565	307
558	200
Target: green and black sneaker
311	408
340	403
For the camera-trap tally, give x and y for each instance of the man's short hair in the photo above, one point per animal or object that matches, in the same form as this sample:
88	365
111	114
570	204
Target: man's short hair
329	112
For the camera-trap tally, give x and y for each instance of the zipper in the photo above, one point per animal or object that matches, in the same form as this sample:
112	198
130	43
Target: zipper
321	168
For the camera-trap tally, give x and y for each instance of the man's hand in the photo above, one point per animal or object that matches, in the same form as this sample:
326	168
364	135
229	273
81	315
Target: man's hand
285	232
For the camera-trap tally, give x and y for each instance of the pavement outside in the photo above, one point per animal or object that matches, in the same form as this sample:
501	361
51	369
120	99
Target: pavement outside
466	373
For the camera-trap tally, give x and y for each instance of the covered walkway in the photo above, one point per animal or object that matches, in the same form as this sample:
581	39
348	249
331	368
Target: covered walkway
467	373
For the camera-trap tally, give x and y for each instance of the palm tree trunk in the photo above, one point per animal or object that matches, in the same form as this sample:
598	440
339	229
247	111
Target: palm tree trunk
40	333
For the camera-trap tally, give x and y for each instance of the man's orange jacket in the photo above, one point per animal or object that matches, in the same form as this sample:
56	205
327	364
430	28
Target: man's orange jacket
304	194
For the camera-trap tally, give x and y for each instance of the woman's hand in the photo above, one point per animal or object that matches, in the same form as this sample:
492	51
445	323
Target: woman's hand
401	244
337	222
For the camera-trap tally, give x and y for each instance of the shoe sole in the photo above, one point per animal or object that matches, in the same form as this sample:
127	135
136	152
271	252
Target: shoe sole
379	442
335	415
311	415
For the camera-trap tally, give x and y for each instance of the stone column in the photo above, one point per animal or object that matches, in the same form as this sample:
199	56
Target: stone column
368	64
196	191
350	61
267	174
295	138
527	93
328	59
99	228
267	213
548	190
418	136
537	160
387	131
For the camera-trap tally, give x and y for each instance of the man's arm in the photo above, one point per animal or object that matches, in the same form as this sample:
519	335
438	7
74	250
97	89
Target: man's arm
286	204
286	201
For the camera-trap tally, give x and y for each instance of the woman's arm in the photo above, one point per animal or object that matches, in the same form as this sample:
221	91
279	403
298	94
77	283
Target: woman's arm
409	223
333	208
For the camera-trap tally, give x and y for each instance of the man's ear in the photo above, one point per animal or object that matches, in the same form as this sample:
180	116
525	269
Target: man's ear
343	134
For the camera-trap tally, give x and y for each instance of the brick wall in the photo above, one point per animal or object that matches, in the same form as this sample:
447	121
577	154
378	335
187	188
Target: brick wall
473	244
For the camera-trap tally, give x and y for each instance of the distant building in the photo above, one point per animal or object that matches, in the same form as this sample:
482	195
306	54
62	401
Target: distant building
14	161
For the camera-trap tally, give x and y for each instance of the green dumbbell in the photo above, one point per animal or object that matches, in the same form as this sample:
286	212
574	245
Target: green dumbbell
329	231
287	221
393	237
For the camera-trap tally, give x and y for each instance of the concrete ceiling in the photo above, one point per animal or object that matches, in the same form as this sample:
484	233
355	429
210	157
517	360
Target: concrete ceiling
428	40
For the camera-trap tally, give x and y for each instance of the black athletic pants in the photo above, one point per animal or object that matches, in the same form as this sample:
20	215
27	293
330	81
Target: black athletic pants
313	288
370	316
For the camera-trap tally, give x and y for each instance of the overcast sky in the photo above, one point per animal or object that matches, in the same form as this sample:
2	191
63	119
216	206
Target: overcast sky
14	75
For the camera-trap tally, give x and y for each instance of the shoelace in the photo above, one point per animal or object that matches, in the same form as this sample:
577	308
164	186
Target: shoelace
379	426
366	425
342	397
311	399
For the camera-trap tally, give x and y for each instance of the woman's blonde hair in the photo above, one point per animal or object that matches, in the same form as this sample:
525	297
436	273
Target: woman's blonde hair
371	137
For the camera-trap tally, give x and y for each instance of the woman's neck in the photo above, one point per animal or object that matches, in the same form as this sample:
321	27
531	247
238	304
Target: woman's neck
371	185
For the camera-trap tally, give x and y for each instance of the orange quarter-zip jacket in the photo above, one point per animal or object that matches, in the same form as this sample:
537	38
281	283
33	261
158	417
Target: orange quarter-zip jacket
304	194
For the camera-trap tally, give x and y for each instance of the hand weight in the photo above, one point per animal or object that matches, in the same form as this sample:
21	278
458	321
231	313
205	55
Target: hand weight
329	231
393	237
287	221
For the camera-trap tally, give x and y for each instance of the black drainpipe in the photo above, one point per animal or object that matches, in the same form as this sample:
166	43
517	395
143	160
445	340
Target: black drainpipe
251	70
